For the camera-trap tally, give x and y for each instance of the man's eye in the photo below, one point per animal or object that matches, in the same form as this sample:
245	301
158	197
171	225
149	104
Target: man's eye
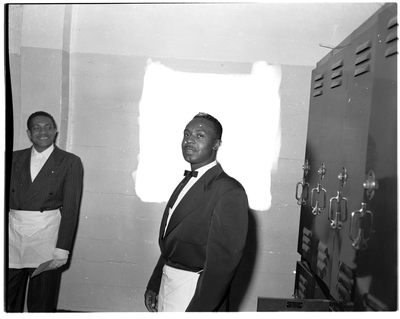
200	135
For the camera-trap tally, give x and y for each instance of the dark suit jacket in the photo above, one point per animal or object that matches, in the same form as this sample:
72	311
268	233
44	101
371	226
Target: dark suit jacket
207	231
58	185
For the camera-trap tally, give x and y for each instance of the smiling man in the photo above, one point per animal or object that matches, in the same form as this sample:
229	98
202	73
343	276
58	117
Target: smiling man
45	193
203	230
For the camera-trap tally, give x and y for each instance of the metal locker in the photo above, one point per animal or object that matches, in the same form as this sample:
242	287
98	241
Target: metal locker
345	232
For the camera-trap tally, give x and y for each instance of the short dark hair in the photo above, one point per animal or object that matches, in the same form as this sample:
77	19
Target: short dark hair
217	125
40	113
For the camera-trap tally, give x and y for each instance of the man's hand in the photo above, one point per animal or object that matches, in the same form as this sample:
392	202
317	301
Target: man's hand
150	300
60	258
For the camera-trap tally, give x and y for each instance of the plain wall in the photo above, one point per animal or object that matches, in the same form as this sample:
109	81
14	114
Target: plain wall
85	65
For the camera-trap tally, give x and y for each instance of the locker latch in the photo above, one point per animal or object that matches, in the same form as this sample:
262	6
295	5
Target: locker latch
340	216
317	208
343	176
370	185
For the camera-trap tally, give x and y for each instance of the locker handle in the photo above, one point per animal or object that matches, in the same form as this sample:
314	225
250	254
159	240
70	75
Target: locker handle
339	217
301	200
360	241
317	209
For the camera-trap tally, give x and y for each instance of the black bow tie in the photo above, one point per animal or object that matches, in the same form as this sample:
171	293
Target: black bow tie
191	173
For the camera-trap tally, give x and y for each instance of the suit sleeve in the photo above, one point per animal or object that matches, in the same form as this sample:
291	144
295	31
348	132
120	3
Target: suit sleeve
226	241
72	193
155	279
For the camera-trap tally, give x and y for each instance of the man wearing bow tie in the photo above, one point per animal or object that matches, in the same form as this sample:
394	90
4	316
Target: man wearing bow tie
45	193
203	230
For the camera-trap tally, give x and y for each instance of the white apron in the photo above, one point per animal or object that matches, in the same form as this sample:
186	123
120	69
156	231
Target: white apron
177	289
32	237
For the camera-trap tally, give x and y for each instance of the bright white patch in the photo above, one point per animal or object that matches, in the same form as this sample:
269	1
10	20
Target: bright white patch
248	107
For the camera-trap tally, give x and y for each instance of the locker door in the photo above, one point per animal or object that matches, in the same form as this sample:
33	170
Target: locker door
306	244
329	156
324	156
360	58
375	234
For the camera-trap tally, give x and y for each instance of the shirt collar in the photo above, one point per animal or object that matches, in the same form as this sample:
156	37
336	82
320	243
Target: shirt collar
46	153
205	168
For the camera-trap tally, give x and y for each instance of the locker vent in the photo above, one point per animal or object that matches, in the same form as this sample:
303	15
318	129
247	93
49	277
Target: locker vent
318	84
337	73
391	39
306	242
302	286
363	58
345	283
322	261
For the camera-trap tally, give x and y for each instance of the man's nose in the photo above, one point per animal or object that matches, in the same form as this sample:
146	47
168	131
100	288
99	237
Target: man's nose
42	130
190	139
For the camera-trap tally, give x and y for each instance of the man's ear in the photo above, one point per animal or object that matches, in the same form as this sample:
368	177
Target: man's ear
217	144
28	132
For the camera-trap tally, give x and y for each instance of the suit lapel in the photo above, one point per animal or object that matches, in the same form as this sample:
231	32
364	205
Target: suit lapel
22	174
24	169
163	222
192	200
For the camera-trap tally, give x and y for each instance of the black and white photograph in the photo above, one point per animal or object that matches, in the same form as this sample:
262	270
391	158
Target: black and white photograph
209	156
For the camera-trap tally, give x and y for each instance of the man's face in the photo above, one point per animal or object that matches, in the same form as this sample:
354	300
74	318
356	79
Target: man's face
42	132
199	144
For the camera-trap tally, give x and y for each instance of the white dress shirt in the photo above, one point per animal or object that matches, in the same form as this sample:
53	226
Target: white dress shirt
38	160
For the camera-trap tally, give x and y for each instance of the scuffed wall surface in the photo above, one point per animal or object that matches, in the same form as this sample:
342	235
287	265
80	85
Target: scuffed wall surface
116	246
35	62
117	232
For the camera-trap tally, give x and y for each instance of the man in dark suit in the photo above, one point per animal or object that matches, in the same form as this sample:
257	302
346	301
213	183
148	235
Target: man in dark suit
45	194
203	232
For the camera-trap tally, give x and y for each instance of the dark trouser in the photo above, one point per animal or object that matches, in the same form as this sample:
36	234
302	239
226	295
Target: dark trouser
42	291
